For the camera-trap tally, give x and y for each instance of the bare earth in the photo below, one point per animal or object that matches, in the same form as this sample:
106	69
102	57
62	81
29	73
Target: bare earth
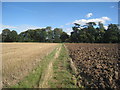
18	59
97	64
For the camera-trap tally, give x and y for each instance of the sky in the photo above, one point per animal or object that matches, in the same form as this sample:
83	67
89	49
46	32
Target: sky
21	16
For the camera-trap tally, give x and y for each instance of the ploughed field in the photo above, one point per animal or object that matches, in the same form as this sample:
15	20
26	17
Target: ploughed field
18	59
97	64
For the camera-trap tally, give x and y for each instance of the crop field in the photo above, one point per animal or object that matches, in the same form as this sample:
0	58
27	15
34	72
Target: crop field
97	64
56	65
18	59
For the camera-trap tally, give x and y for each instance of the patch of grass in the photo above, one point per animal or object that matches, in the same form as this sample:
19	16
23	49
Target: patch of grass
32	80
63	75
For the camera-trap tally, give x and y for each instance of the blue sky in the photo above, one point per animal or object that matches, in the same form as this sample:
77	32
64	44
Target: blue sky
21	16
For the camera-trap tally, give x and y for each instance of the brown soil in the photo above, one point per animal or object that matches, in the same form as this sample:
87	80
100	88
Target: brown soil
97	64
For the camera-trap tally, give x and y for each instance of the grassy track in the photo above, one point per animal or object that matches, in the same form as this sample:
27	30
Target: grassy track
63	76
48	73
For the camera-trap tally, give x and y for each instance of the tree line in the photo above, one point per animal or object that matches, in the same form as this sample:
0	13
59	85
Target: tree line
88	33
37	35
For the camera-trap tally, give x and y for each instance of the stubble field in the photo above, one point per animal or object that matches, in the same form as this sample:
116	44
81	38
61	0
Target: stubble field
18	59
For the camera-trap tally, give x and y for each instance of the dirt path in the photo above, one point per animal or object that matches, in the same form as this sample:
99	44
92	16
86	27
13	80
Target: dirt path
49	71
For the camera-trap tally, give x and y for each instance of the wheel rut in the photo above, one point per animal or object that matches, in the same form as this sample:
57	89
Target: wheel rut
47	74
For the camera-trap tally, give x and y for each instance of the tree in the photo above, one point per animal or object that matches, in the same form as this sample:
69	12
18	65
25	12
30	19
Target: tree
91	31
75	34
101	27
56	35
83	36
112	34
6	35
91	24
0	37
86	34
25	37
77	25
118	33
64	37
32	34
48	28
50	36
43	35
100	31
38	35
13	36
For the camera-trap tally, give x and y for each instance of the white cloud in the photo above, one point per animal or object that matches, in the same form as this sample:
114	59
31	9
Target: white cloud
20	28
96	20
68	30
112	6
106	18
26	27
7	26
106	27
61	26
67	23
119	27
89	15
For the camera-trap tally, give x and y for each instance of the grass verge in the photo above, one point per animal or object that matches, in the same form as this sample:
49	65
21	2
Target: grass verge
63	76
